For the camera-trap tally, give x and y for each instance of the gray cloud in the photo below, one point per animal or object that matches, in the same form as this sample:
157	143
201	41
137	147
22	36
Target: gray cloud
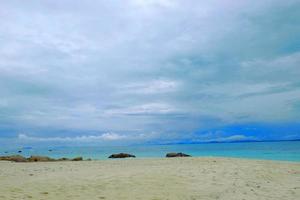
153	66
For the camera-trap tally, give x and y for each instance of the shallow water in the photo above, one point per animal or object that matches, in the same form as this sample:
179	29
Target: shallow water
284	150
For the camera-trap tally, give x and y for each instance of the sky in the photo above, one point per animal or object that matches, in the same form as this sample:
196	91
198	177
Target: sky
149	71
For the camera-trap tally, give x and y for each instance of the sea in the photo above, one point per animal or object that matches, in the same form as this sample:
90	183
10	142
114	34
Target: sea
283	150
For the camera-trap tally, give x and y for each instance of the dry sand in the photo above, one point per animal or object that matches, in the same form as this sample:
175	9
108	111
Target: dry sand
153	179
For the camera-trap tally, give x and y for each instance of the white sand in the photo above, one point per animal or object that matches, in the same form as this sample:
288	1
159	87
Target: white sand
153	179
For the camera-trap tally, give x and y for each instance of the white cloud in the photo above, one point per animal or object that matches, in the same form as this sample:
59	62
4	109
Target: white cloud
284	68
144	109
218	136
112	136
233	138
108	137
82	138
239	89
151	87
151	3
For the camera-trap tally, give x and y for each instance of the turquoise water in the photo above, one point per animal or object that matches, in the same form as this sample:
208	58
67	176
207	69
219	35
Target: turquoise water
287	151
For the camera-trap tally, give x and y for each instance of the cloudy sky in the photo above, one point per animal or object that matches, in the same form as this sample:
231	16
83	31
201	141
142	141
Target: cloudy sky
149	70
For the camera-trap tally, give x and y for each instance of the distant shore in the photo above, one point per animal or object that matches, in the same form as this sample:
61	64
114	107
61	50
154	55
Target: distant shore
165	178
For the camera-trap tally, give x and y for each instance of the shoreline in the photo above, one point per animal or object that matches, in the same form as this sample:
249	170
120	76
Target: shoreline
71	159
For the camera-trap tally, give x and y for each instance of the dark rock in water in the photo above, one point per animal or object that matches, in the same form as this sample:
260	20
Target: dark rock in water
121	155
20	151
40	159
63	159
5	151
50	150
14	158
77	159
171	155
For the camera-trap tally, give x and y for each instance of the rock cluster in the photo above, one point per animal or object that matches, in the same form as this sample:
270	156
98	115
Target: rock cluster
18	158
14	158
171	155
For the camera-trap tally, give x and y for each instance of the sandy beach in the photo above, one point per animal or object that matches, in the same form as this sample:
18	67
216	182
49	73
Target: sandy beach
153	179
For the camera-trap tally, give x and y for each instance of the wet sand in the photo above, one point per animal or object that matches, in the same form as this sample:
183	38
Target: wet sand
151	179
